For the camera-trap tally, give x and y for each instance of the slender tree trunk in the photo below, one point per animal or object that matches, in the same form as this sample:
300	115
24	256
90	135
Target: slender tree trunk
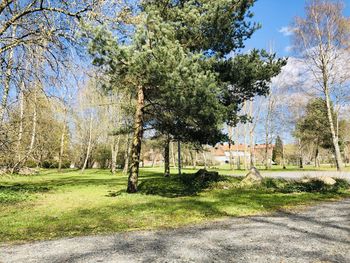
283	159
251	136
173	154
245	140
301	163
127	154
179	156
115	151
113	157
230	146
89	145
7	81
338	158
194	157
136	142
167	157
205	160
22	161
60	156
21	117
316	156
237	151
154	158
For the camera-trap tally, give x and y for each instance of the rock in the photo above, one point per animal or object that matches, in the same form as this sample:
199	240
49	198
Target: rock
205	176
203	172
305	180
27	171
253	177
326	180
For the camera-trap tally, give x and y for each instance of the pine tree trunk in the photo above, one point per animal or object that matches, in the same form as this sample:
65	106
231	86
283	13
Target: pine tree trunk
173	154
179	156
136	142
167	157
195	160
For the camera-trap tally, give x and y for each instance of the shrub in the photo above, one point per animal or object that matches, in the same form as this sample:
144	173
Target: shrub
284	186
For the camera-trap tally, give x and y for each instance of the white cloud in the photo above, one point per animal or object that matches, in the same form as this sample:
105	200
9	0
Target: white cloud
286	31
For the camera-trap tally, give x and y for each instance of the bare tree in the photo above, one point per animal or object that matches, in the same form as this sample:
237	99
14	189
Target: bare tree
321	38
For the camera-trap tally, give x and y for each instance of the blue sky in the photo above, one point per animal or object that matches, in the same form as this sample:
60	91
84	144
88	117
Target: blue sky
274	15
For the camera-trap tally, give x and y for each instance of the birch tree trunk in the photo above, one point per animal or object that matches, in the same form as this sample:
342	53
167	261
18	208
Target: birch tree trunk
60	156
335	139
7	82
89	144
136	142
22	161
115	151
21	117
127	154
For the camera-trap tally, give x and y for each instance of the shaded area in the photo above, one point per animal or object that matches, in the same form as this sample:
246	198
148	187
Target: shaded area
181	185
319	234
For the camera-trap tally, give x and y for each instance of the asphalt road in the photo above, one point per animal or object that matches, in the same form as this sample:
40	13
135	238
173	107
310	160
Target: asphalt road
317	234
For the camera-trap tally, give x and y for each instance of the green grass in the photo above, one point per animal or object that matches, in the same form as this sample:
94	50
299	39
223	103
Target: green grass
53	205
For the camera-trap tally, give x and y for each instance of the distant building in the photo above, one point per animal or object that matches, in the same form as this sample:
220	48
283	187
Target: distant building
221	153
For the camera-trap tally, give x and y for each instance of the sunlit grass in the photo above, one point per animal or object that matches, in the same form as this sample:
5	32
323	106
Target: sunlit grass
53	205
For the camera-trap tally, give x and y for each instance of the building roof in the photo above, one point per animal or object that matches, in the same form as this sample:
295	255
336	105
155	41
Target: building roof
220	149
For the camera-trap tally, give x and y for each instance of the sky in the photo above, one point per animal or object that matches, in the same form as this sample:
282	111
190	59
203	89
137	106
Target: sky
275	16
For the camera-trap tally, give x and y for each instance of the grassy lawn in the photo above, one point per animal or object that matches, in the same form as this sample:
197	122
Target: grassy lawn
52	205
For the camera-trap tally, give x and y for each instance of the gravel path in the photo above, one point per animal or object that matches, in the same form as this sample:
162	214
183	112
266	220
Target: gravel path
318	234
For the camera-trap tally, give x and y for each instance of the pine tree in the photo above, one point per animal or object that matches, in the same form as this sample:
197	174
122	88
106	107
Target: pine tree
277	153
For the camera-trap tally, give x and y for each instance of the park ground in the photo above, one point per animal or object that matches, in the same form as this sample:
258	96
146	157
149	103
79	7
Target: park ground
316	234
53	205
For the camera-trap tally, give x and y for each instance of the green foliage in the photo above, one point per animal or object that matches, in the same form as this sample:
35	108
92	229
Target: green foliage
47	164
180	185
219	26
243	77
314	185
314	126
177	54
11	194
277	152
102	155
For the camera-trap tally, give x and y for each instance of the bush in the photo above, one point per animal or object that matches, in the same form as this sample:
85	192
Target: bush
180	185
284	186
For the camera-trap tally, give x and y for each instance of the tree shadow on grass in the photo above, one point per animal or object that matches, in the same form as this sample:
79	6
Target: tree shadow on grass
178	185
